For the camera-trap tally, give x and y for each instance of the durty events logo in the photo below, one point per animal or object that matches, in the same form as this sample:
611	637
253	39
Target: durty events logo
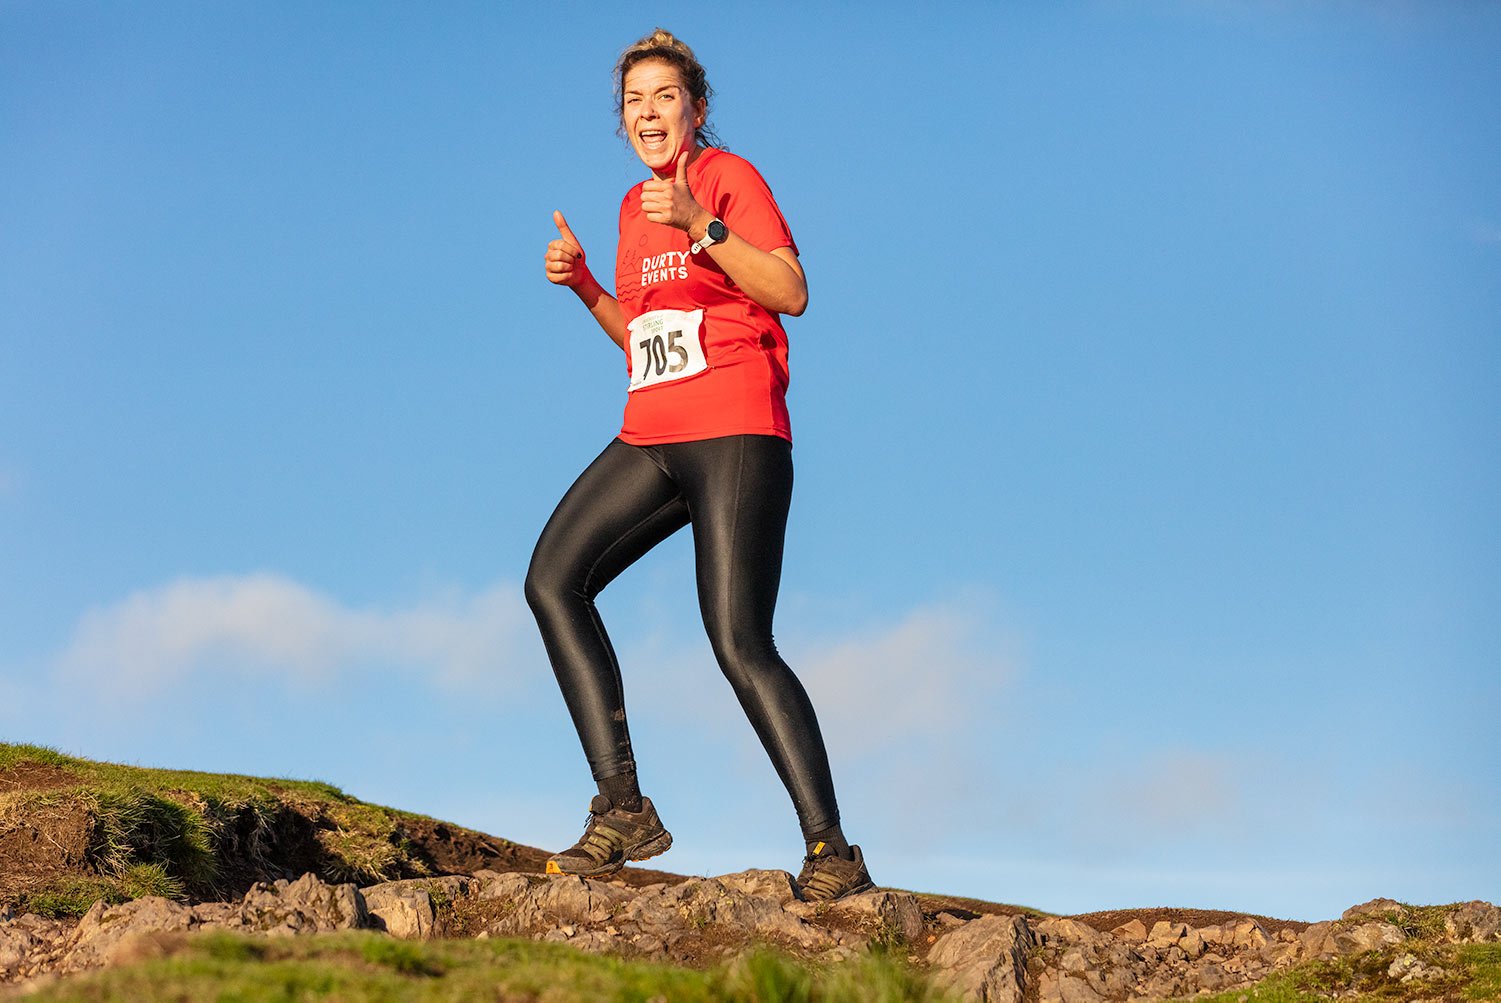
664	267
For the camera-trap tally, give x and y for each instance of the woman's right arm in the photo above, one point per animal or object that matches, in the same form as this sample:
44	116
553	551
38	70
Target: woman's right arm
566	267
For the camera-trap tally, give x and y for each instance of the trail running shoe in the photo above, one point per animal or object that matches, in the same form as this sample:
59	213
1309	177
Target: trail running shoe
826	875
611	837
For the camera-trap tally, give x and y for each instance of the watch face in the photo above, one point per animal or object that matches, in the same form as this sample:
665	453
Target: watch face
717	231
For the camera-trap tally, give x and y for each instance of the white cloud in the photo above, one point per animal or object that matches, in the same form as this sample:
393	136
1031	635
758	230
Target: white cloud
930	675
1175	790
269	624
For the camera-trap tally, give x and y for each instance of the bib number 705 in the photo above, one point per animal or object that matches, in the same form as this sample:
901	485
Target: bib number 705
666	345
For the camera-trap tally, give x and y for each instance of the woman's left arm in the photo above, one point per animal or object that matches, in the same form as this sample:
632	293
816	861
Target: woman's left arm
774	279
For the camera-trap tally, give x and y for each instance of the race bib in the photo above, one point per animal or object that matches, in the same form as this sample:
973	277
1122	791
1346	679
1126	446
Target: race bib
666	345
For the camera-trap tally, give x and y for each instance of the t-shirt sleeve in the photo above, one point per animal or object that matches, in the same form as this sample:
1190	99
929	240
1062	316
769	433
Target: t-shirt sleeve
746	205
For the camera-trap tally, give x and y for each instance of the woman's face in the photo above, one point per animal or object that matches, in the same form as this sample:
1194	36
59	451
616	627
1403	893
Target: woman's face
660	117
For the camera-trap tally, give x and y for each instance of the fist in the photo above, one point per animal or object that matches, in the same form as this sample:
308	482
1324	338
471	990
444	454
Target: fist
565	256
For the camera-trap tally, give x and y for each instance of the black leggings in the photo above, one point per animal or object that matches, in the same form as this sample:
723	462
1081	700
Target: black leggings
735	492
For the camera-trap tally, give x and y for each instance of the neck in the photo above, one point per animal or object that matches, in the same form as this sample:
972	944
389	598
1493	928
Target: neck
670	172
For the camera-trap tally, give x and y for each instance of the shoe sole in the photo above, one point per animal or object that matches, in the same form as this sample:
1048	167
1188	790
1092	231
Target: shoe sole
658	844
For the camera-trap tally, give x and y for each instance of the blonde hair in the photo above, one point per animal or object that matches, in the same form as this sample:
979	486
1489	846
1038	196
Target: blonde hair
663	45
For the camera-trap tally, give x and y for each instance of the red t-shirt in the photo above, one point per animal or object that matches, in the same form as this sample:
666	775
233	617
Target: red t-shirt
743	390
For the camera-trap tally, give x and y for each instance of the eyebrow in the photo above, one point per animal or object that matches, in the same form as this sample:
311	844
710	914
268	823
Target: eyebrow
664	87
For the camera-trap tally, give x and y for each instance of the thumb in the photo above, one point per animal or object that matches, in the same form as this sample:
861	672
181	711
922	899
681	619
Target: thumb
562	225
683	167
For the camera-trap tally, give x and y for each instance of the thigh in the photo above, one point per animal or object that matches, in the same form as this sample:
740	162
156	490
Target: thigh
620	507
739	489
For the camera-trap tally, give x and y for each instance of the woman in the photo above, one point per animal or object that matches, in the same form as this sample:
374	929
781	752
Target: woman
704	266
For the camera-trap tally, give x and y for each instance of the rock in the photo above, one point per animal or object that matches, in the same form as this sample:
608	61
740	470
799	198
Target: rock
1069	931
406	913
23	939
1408	968
500	886
1282	954
575	899
773	885
985	960
889	913
1317	941
1164	984
1367	937
1192	944
1248	933
1065	989
1377	908
1473	922
1211	977
105	932
306	905
1135	931
704	901
1164	934
406	909
541	905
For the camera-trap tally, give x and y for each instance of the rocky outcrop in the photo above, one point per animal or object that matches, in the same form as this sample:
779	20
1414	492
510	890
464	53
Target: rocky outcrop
991	958
985	959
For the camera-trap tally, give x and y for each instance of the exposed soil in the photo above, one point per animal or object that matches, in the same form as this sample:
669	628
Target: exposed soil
52	840
1109	920
965	908
34	777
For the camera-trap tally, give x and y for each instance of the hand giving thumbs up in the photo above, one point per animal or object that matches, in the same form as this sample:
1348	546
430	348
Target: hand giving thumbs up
671	202
565	256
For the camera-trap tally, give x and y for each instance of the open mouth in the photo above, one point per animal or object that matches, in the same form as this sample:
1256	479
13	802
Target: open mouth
652	139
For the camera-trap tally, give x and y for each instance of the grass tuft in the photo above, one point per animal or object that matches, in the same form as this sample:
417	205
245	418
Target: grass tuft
70	898
140	880
14	755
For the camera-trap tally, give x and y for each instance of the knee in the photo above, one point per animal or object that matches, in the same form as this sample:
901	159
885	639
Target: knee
544	588
744	655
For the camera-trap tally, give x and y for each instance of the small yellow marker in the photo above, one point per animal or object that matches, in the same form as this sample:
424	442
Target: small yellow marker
817	848
553	868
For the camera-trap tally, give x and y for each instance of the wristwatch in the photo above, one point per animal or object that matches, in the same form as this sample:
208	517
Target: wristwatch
715	233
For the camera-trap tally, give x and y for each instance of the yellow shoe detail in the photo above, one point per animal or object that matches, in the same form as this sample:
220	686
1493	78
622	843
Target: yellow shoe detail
553	868
817	848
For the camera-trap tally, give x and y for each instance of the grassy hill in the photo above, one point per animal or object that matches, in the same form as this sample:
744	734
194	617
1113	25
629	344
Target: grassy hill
74	830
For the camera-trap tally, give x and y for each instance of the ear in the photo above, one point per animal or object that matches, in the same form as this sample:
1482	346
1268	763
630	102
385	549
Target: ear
701	114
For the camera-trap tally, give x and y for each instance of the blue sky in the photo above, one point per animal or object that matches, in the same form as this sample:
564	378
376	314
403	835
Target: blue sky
1144	546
